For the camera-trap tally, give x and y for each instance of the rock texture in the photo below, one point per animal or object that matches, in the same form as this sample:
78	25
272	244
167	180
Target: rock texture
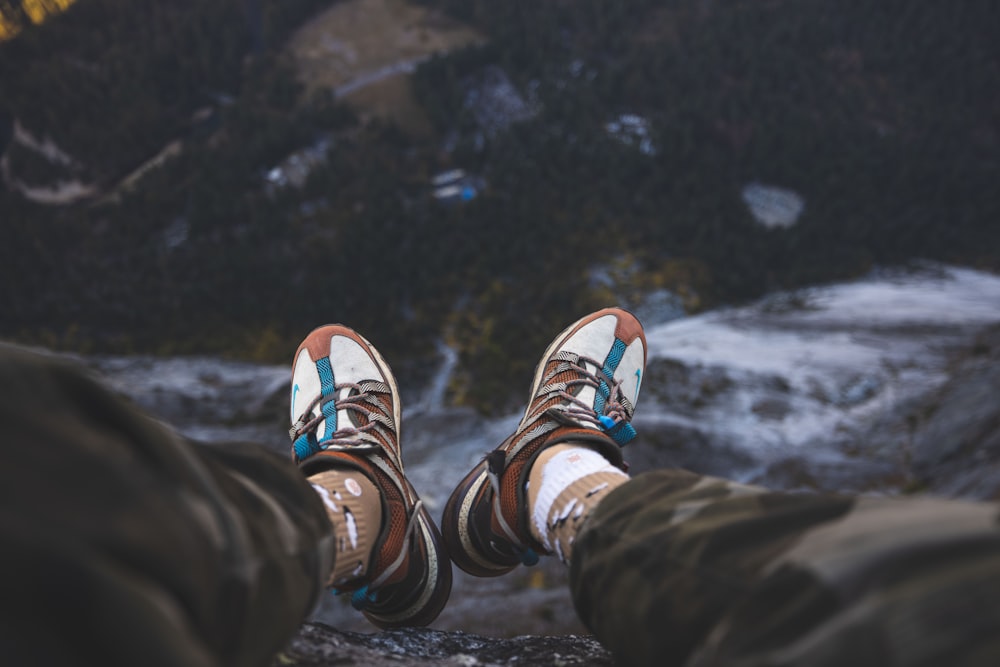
956	435
885	385
320	646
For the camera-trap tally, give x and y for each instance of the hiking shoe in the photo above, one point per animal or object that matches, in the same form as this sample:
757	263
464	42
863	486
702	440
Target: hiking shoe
584	390
345	408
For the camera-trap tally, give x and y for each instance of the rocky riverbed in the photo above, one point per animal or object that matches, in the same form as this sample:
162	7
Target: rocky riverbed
886	385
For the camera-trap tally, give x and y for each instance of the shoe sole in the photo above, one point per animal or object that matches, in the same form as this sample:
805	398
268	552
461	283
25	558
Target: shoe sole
454	527
455	518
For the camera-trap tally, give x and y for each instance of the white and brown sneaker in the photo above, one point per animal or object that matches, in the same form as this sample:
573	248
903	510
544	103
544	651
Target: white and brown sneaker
584	391
345	412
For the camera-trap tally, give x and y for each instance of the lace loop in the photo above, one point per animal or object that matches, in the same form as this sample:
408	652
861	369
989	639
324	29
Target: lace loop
615	409
358	400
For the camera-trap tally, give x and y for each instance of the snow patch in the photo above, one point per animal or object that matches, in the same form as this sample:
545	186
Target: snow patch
58	193
495	103
632	130
818	369
772	206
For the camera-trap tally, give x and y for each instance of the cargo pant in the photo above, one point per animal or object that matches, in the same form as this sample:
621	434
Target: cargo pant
123	544
674	568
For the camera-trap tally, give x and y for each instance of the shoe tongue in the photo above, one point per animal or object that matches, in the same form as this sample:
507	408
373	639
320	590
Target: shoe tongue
343	417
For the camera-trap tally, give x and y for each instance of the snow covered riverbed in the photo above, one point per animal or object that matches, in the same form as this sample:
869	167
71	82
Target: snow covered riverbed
882	385
821	376
806	374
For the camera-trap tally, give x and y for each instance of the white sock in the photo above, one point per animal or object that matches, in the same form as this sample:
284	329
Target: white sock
565	484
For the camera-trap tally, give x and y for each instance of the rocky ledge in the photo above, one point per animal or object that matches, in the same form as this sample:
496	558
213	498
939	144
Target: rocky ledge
320	645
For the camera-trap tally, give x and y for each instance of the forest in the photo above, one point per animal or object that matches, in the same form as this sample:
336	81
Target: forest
885	117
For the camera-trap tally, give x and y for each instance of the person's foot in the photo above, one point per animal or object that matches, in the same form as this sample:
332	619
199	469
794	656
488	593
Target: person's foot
345	411
584	392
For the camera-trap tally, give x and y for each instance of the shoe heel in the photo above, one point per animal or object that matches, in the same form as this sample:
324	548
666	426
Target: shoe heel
458	538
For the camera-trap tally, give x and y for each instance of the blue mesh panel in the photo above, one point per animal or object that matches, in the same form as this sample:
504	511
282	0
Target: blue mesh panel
325	376
610	365
327	388
305	446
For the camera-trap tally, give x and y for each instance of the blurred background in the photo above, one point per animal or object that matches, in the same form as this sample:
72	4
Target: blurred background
798	197
221	176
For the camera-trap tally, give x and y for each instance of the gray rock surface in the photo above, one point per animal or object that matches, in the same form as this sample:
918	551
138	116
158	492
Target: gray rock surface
885	385
956	434
320	645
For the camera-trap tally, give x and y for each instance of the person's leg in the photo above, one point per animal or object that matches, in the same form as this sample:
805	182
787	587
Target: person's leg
674	568
121	543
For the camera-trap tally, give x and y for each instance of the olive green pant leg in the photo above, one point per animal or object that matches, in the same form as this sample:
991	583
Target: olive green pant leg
123	544
677	569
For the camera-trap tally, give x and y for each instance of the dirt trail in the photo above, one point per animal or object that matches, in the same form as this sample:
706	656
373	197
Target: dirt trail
363	50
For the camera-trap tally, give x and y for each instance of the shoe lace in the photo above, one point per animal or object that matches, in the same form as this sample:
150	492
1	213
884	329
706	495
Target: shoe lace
359	399
611	411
